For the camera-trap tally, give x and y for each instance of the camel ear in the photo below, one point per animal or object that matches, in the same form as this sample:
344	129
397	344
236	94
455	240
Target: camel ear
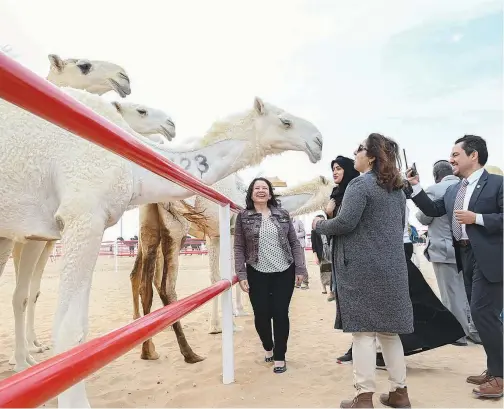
56	62
117	106
259	106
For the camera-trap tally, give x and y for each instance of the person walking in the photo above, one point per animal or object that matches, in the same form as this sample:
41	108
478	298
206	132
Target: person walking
372	294
440	252
268	262
474	209
301	235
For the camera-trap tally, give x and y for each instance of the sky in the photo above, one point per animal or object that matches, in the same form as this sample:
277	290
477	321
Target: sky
423	72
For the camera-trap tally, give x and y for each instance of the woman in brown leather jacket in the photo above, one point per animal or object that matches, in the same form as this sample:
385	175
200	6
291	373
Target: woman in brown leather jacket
268	262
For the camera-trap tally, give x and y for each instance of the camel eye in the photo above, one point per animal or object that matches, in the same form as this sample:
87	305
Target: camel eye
286	122
85	67
142	112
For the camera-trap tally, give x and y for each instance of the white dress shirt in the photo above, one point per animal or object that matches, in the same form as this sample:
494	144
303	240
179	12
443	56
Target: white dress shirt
406	235
473	184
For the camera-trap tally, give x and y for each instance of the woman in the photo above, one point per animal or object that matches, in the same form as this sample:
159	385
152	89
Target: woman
434	325
268	262
371	273
343	173
324	265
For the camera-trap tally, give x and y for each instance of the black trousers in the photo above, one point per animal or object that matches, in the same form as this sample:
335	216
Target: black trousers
485	299
270	295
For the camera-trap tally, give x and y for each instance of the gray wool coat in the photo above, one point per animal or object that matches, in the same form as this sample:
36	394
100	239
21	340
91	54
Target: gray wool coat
369	259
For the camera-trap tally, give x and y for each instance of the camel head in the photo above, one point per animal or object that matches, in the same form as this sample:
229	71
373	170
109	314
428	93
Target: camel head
145	120
268	130
96	77
307	197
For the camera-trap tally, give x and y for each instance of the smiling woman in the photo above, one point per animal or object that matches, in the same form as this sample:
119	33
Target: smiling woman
268	260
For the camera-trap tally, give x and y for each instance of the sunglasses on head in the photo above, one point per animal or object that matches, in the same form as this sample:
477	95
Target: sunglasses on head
361	148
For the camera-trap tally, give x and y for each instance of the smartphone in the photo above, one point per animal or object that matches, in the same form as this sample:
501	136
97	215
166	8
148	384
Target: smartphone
413	166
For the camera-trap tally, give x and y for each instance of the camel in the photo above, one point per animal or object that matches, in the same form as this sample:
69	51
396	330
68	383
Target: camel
307	197
100	77
96	77
152	123
161	239
67	188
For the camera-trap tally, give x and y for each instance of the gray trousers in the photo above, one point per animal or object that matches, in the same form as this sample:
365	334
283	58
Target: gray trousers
453	294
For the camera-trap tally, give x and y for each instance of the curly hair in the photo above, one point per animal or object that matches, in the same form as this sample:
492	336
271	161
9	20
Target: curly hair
249	204
387	161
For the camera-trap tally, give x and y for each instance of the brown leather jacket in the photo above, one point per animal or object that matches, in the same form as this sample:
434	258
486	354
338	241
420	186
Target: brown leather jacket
246	240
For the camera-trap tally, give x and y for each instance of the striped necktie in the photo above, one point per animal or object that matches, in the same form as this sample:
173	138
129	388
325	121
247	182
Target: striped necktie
459	204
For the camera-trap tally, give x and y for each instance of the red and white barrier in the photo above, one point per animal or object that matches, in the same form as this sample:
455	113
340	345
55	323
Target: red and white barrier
34	386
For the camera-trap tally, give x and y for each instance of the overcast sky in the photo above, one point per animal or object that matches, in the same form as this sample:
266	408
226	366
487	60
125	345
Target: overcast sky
423	72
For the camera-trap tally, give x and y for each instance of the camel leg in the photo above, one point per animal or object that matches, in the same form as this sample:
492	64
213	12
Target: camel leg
167	293
6	246
31	337
29	257
135	277
82	238
239	311
146	293
213	257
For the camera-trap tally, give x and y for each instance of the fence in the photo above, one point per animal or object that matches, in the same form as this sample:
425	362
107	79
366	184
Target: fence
35	385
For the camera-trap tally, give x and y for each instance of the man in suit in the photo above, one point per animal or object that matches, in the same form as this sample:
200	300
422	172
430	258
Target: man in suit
440	252
474	209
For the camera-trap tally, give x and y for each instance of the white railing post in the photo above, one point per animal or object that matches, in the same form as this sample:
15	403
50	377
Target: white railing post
227	296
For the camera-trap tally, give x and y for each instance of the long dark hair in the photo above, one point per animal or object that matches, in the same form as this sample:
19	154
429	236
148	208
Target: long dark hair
349	173
249	204
387	161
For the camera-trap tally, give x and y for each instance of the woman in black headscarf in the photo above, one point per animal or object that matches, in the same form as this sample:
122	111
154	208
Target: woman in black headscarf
343	172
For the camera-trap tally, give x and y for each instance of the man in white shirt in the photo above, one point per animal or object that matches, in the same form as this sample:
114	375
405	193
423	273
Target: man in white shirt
474	208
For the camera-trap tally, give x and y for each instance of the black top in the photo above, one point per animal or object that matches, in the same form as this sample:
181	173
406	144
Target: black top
317	244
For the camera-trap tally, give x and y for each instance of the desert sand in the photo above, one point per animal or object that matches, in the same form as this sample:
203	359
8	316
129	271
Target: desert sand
314	379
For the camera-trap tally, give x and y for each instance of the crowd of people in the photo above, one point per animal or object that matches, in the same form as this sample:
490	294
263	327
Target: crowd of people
363	247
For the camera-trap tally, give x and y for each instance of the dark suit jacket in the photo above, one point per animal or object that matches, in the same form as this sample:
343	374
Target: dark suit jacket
486	241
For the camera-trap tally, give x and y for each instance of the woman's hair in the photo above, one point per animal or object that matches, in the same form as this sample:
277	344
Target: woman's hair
349	173
249	204
387	161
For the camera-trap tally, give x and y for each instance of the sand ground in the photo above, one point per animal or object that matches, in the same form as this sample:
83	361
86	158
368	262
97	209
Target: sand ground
314	379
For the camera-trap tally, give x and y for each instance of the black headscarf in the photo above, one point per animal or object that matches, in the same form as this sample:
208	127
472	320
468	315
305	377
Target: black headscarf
349	173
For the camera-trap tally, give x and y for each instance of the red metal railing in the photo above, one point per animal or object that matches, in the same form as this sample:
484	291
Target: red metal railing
36	385
27	90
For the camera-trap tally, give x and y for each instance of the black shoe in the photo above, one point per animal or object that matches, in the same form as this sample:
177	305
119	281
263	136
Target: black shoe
345	359
280	369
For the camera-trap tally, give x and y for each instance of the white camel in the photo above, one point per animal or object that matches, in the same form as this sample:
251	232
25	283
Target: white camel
100	77
307	197
156	125
96	77
65	187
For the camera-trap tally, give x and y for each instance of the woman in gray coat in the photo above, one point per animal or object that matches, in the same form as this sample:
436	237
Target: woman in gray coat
371	272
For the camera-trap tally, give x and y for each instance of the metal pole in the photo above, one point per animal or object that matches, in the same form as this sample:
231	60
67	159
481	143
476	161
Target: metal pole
226	297
116	254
